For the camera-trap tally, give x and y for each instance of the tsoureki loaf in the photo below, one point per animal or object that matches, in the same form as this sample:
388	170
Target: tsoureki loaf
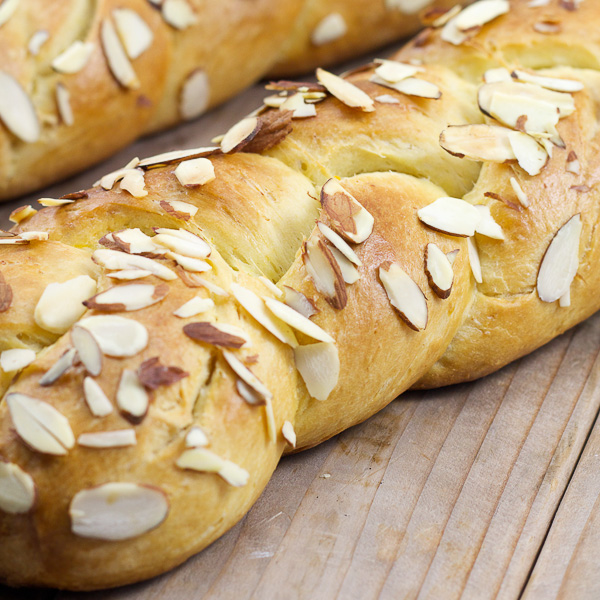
169	333
80	80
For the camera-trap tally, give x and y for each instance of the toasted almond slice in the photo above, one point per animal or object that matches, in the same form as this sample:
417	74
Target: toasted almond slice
7	9
135	241
481	13
63	101
178	14
17	489
300	109
438	269
117	336
61	304
194	280
565	300
438	17
117	59
478	142
152	374
13	241
88	349
329	29
521	195
195	265
19	215
270	418
411	86
249	395
532	157
117	438
37	40
167	158
497	75
215	334
474	260
244	373
95	398
117	261
257	309
451	256
404	295
487	225
345	91
40	425
572	165
134	183
16	359
132	397
129	297
387	99
349	218
561	261
450	215
349	272
182	242
74	58
129	274
16	109
108	181
194	307
59	368
270	285
34	235
196	171
288	433
299	302
393	71
325	272
319	367
339	243
179	209
205	461
195	95
296	320
55	201
275	100
117	511
134	32
240	134
196	438
550	83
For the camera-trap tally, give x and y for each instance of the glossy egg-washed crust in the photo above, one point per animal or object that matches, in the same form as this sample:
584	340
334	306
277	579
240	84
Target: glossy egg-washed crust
234	42
255	215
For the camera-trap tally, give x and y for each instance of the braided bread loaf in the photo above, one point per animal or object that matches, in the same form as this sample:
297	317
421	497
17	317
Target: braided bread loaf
80	79
138	426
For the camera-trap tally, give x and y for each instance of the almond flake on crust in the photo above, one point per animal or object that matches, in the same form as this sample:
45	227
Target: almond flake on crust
36	41
497	75
470	20
387	99
325	272
88	349
561	261
167	158
474	260
487	225
114	260
7	9
273	127
572	165
74	58
178	13
532	157
117	511
300	109
411	86
194	265
478	142
288	433
194	307
521	195
345	91
215	334
239	135
63	101
18	215
195	95
132	397
339	243
128	297
319	367
296	320
16	109
40	425
550	83
205	461
134	32
270	285
118	61
59	368
393	71
439	271
182	242
196	438
196	171
135	241
16	359
299	302
134	183
96	399
450	215
117	336
349	272
330	28
17	489
152	374
179	209
117	438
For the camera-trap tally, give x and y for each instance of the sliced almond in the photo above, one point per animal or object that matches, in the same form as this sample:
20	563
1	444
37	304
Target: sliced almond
196	438
134	183
550	83
134	32
196	171
195	95
249	395
339	243
387	99
411	86
13	241
194	280
565	300
474	260
132	397
59	368
88	349
182	242
497	75
7	9
205	461
117	261
215	334
288	433
246	375
240	134
74	58
178	14
487	225
532	157
63	101
195	265
61	304
17	489
439	271
478	142
345	91
521	195
271	286
329	29
16	359
393	71
135	241
152	374
450	215
117	59
561	261
404	295
472	18
117	511
16	109
547	27
55	201
167	158
325	272
108	181
257	309
40	425
18	215
194	307
349	272
572	165
319	367
117	336
129	274
299	302
37	40
95	398
270	418
34	235
118	438
300	109
348	217
130	297
296	320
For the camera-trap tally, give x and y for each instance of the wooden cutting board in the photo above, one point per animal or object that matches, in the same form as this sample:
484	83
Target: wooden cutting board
481	490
